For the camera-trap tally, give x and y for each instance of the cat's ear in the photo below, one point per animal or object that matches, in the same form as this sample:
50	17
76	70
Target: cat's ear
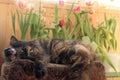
13	40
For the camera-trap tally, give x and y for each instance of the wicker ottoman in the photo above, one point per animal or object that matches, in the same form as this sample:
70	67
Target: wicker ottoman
23	70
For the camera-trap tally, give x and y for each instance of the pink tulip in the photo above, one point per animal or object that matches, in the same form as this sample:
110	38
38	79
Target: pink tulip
77	8
61	23
61	2
21	3
89	3
91	11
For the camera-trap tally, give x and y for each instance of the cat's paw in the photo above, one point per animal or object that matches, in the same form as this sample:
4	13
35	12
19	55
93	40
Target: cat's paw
40	70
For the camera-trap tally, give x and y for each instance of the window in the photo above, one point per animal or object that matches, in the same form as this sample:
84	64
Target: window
113	3
52	1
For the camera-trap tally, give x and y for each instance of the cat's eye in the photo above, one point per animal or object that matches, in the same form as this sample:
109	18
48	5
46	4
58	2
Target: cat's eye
23	50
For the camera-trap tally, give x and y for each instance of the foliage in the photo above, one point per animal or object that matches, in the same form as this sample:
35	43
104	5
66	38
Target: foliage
61	30
101	37
27	19
23	21
62	27
37	27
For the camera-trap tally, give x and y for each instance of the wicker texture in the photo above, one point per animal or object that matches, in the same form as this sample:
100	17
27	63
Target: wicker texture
23	70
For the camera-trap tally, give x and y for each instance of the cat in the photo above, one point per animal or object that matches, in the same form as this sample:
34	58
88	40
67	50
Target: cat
76	54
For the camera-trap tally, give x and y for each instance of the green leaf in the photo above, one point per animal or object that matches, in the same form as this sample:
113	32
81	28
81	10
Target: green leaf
113	25
94	45
86	39
113	42
106	21
87	29
104	54
65	32
77	17
74	29
81	22
70	11
54	32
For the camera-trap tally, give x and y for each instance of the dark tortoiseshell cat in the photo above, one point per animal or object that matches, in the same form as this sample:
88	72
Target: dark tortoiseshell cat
76	54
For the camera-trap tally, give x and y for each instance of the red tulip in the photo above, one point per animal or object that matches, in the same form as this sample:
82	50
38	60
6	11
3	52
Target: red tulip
77	8
61	23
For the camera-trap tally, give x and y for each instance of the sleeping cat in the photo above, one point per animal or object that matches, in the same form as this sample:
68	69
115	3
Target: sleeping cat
76	54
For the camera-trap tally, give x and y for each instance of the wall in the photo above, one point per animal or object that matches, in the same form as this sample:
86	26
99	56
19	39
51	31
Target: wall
5	25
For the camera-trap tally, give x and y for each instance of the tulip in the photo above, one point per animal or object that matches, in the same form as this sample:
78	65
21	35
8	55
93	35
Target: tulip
61	23
61	2
21	3
91	11
77	8
89	3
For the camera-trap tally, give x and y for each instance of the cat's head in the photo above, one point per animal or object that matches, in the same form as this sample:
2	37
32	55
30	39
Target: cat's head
25	48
